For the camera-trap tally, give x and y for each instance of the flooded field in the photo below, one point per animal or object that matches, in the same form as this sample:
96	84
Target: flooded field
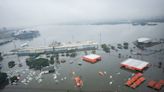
115	78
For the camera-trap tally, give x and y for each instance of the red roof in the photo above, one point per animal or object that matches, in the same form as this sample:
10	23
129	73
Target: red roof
151	83
158	86
162	82
134	78
138	82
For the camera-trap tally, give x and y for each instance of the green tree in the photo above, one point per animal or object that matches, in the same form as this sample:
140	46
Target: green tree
11	64
14	79
37	63
3	79
105	48
52	60
73	54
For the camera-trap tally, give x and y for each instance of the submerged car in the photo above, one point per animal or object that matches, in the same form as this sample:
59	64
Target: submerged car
78	81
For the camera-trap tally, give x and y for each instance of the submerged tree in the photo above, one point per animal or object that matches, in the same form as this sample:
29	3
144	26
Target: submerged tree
105	48
1	58
3	79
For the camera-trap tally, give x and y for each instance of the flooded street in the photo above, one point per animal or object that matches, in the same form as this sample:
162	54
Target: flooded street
115	78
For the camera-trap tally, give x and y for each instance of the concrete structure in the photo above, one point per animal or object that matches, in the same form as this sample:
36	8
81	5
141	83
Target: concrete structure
87	45
92	58
134	64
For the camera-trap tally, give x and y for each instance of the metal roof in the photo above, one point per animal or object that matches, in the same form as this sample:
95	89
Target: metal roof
143	40
139	64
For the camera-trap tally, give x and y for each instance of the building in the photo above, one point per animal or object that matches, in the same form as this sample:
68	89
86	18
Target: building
134	64
92	58
144	40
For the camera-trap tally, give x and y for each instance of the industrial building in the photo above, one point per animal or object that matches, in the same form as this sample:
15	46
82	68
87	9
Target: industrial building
92	58
135	64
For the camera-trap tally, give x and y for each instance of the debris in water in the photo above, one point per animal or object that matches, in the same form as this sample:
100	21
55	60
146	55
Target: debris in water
56	81
40	80
105	72
111	83
118	73
101	73
110	76
133	74
73	73
65	78
55	76
79	63
71	62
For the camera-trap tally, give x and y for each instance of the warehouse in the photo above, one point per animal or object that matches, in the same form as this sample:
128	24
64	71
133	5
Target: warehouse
92	58
134	64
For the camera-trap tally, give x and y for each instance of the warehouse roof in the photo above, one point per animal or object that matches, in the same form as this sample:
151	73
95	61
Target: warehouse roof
92	56
139	64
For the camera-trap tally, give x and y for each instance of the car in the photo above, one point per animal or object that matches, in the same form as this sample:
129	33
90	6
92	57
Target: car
78	81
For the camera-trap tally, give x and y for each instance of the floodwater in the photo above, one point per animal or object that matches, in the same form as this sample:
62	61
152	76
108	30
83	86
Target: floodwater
110	63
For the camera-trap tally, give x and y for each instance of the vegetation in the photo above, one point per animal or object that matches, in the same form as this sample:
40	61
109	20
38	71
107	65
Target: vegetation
73	54
33	56
1	58
159	64
67	54
126	45
62	54
3	79
63	61
105	48
11	64
52	60
37	63
14	79
56	56
119	46
93	51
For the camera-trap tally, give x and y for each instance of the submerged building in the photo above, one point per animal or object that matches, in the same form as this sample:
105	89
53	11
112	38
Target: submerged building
134	64
92	58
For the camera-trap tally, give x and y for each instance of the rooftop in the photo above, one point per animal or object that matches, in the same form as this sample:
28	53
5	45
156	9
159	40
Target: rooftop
139	64
92	56
143	40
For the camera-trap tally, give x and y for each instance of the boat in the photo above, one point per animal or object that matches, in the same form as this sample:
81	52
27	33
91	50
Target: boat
26	34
